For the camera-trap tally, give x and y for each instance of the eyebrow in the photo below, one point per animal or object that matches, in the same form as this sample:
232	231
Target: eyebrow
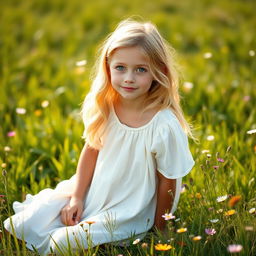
137	65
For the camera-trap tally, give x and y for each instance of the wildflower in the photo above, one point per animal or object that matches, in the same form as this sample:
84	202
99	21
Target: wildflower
252	210
207	55
21	111
81	63
196	238
252	53
251	131
136	241
168	216
205	151
234	200
188	86
144	245
230	212
222	198
234	248
45	104
7	149
220	160
210	138
11	134
38	112
181	230
163	247
198	195
210	231
214	220
90	222
246	98
209	155
248	228
215	167
220	211
3	165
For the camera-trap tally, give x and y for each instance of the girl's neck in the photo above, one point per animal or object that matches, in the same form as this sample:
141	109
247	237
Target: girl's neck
131	106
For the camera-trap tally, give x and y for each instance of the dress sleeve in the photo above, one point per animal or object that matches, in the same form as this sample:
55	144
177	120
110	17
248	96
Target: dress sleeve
171	150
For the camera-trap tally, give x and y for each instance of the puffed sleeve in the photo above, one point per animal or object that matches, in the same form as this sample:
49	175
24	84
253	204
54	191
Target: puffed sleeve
171	150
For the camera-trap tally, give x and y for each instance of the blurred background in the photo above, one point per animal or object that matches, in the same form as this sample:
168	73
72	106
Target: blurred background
47	49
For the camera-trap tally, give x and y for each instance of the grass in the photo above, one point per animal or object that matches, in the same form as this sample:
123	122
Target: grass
40	44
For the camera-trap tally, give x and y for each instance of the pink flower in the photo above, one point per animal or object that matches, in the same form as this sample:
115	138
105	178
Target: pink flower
11	134
220	160
234	248
215	167
210	231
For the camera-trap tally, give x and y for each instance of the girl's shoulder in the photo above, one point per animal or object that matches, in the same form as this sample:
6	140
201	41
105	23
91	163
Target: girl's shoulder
167	117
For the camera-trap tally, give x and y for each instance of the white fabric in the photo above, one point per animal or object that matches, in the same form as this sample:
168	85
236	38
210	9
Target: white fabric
123	187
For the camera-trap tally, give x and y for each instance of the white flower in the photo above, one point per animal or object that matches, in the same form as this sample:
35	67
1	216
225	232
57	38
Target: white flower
251	131
221	198
252	210
188	85
210	137
45	103
207	55
136	241
214	220
252	53
168	216
21	111
205	151
81	63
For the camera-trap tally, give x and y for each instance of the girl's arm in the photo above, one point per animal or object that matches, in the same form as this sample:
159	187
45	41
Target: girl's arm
71	213
165	196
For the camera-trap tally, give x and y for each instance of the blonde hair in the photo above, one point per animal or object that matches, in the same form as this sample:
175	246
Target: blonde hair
164	89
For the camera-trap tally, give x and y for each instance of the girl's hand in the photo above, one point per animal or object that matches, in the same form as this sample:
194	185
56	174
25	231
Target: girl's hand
71	213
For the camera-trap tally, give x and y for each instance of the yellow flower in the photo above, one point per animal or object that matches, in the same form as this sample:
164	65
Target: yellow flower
198	195
196	238
163	247
230	212
181	230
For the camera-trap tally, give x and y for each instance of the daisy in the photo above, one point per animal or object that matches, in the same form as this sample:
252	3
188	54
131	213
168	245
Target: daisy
222	198
210	231
168	216
234	248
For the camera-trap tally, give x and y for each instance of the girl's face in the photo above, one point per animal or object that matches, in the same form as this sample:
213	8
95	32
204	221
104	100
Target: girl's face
129	73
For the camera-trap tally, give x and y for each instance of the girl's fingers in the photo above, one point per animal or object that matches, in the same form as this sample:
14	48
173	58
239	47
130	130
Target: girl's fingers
78	215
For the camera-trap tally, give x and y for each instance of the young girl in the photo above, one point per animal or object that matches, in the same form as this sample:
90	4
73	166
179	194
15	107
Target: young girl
136	151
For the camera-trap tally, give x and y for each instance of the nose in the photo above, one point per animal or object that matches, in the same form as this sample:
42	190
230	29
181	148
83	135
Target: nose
129	78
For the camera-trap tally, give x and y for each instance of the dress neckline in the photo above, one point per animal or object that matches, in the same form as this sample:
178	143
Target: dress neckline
133	128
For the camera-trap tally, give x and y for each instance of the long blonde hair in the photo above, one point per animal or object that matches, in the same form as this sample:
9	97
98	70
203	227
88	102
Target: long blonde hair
164	89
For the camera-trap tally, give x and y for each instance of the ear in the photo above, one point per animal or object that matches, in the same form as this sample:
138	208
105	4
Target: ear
165	70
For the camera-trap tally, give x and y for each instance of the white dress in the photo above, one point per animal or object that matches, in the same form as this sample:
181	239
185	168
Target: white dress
122	196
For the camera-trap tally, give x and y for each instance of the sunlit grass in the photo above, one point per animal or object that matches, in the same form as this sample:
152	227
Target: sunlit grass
47	49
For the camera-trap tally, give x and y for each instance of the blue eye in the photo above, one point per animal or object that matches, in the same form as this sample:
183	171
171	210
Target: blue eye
141	70
119	68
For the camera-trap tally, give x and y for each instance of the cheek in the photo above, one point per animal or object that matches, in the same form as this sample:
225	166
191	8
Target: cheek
114	78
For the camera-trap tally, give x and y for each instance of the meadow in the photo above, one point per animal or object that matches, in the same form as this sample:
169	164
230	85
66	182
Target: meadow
47	49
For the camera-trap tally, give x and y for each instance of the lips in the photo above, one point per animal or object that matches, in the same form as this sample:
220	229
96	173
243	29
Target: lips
128	88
